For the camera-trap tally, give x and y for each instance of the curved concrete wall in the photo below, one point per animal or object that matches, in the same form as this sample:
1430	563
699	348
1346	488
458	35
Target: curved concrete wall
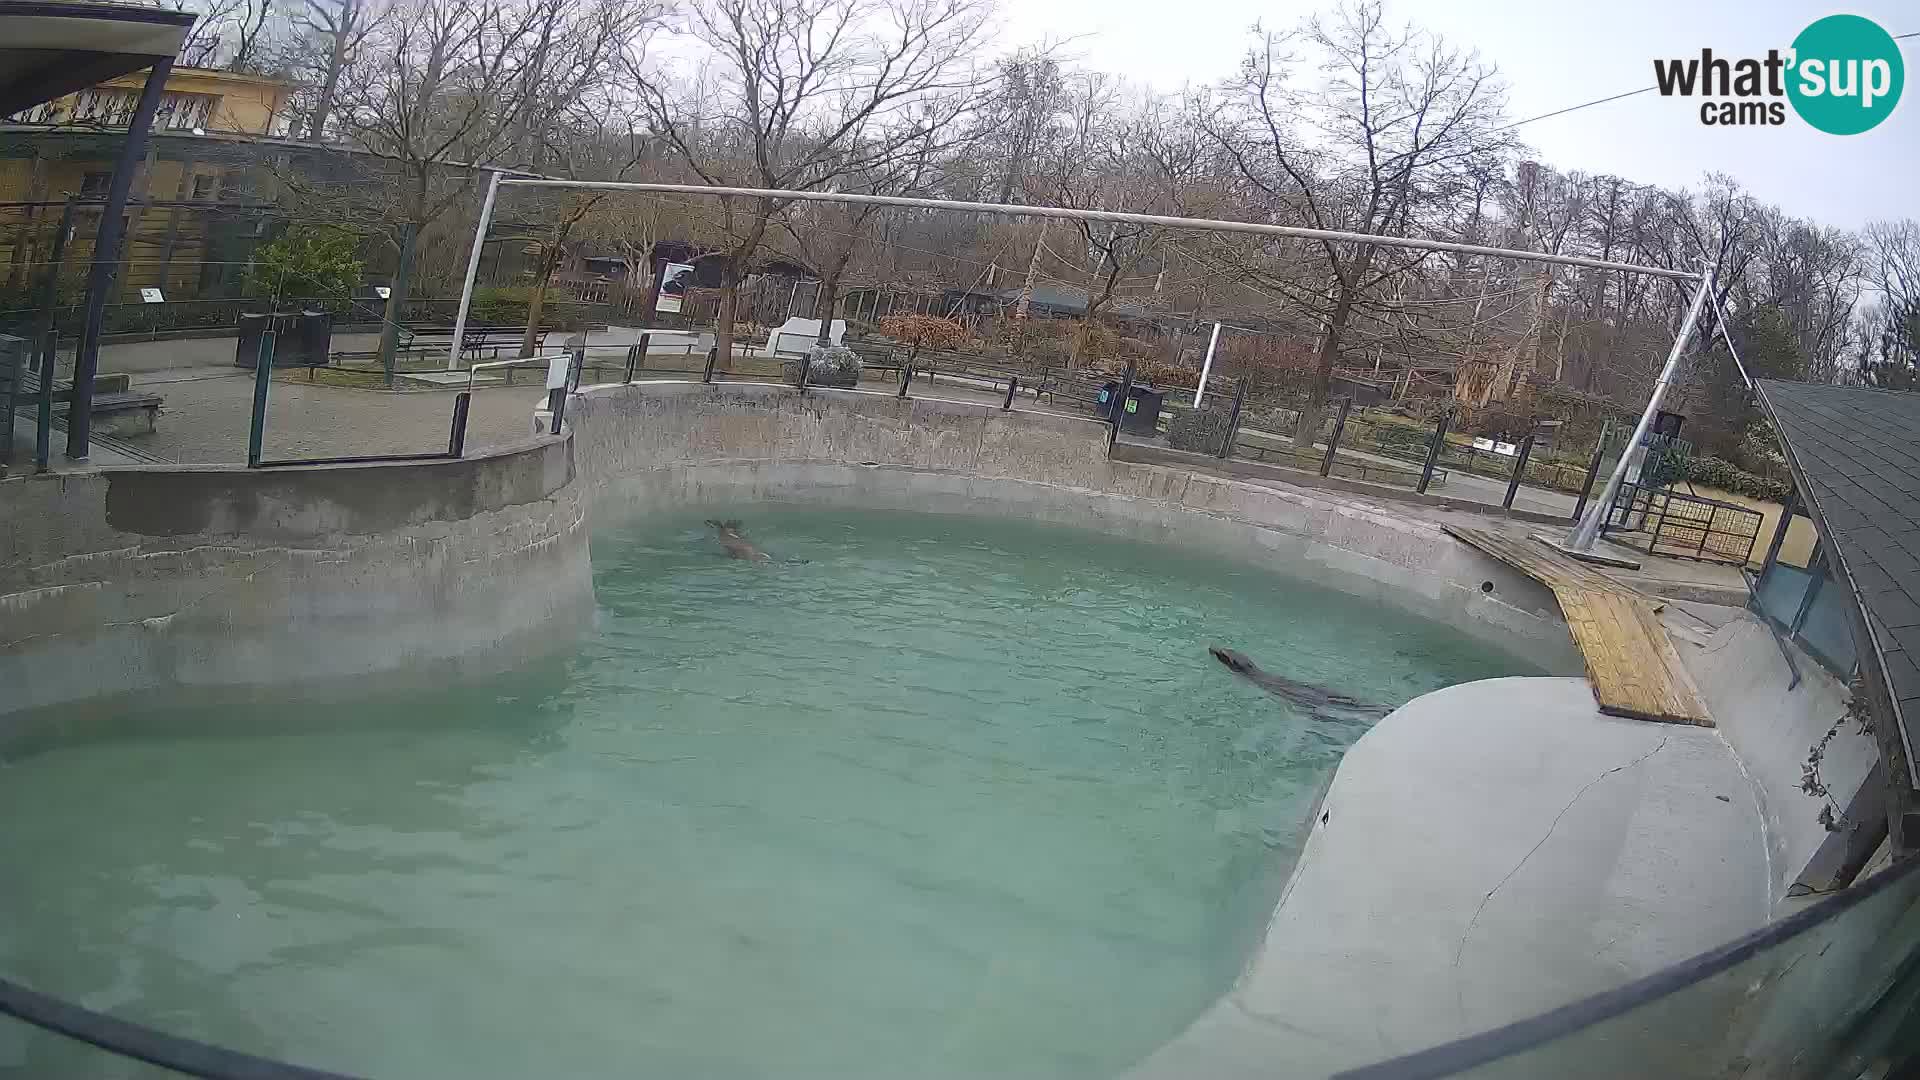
661	444
129	579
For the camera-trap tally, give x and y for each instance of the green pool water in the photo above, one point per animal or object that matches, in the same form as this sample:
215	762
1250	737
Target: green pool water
920	796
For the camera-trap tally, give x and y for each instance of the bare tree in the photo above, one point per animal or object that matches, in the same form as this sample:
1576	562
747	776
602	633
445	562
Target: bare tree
334	30
1382	136
438	87
801	94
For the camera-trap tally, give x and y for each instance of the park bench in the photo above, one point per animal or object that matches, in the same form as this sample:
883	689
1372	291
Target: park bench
474	342
126	411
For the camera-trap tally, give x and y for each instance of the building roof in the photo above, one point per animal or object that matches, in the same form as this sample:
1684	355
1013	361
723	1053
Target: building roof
54	49
1855	456
1064	298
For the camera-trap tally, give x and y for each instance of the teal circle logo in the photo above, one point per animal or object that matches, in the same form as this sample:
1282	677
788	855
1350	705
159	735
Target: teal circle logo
1847	74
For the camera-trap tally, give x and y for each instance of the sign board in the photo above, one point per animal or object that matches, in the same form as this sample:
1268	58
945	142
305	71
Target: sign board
675	280
150	295
1483	444
1506	449
382	291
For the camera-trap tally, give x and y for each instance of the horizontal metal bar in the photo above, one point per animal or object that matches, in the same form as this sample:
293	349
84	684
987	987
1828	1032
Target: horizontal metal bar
1206	224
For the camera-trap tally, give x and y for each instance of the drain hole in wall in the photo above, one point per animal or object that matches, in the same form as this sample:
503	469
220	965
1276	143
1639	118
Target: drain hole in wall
1487	587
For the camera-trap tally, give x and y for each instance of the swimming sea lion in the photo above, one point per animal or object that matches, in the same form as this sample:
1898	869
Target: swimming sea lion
1305	695
736	542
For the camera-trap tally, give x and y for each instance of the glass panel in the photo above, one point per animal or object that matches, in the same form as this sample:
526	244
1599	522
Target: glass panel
1828	629
1828	1000
31	1053
1780	591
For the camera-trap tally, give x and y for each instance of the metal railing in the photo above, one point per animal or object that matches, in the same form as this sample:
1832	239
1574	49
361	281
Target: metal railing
1685	526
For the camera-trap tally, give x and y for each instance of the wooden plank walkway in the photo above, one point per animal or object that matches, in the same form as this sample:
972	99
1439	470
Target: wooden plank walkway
1631	662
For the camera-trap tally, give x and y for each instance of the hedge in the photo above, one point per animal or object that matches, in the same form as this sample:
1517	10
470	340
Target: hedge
1725	475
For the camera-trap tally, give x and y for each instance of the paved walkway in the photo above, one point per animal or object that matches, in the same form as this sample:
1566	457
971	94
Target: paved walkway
207	411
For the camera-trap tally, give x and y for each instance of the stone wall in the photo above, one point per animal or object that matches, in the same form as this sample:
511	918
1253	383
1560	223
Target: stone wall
129	579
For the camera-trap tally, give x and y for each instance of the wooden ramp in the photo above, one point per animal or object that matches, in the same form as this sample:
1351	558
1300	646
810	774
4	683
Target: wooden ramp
1631	663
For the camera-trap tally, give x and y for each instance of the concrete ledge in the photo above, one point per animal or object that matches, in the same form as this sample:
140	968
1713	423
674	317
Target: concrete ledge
122	580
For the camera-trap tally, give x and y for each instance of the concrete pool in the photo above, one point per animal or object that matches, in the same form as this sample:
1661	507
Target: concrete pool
1421	908
887	804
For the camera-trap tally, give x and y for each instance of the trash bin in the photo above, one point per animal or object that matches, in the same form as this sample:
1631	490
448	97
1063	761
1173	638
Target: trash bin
1142	415
312	341
285	346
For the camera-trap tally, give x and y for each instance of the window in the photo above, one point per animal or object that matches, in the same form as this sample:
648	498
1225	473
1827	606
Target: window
203	188
93	185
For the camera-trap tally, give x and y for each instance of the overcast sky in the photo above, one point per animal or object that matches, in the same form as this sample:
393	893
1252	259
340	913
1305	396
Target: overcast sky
1554	54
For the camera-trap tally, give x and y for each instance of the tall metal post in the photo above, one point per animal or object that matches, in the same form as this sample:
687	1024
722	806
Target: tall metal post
1120	403
262	376
1587	531
473	270
1333	441
1519	470
1233	419
1593	469
1433	451
457	436
106	260
48	334
1206	366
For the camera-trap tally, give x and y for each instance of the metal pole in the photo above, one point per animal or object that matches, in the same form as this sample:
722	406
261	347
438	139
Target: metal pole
906	370
457	439
1206	366
1779	532
1584	534
262	375
106	260
1013	384
1433	451
1333	441
49	335
1120	403
1593	469
1233	419
43	430
636	354
1519	470
473	271
1065	213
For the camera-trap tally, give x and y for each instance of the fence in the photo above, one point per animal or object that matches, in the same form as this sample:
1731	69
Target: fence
1668	522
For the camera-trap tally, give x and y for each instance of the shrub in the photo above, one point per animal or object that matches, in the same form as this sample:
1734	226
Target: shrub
306	260
1725	475
924	331
1199	430
1495	423
837	366
501	305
